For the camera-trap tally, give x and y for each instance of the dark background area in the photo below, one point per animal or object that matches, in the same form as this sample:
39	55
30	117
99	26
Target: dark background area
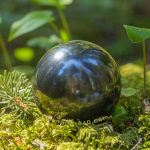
98	21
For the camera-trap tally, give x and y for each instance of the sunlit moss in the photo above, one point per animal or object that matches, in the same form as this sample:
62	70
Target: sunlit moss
44	132
129	69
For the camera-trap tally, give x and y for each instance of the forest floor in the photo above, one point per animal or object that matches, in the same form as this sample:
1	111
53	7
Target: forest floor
127	128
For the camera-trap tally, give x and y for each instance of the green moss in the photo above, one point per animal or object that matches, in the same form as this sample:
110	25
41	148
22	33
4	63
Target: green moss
40	131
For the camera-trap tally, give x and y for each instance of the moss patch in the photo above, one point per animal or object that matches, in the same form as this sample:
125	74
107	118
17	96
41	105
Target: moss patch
127	128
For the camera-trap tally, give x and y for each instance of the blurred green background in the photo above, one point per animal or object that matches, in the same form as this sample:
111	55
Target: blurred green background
98	21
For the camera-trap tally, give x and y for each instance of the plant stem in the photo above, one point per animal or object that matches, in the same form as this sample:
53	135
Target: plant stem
53	25
5	53
144	63
64	21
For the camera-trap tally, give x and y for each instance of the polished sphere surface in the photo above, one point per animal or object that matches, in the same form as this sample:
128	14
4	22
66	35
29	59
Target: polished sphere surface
78	80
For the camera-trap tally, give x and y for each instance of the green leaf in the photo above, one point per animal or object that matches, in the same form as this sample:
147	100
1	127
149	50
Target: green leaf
24	54
30	22
52	2
119	114
44	42
137	34
129	92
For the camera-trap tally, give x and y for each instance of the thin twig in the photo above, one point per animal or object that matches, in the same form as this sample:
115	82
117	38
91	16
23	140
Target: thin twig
137	144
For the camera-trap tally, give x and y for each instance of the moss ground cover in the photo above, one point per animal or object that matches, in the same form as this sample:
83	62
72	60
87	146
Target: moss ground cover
24	127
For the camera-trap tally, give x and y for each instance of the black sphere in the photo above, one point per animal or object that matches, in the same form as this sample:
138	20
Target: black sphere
78	80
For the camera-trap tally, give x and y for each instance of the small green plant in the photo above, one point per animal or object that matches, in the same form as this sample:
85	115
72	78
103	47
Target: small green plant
35	19
139	35
16	94
32	21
